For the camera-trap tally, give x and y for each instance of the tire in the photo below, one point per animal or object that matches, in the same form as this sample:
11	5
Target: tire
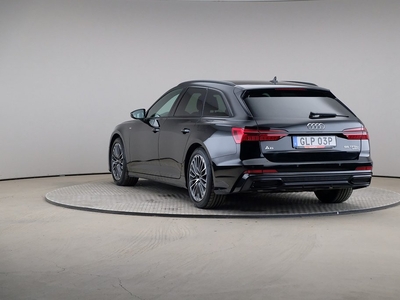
334	196
200	183
118	167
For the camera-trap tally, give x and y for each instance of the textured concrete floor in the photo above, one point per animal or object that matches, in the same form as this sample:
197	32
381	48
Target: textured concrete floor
50	252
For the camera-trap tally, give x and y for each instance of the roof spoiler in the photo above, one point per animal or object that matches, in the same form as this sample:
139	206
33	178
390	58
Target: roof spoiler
301	82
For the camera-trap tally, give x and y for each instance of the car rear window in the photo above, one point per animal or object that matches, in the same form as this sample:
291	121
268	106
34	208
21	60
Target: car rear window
292	103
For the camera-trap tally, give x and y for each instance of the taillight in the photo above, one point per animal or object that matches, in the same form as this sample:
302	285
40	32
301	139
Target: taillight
251	135
360	133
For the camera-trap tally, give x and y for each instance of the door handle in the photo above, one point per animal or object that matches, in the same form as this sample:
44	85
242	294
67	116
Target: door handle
185	130
155	130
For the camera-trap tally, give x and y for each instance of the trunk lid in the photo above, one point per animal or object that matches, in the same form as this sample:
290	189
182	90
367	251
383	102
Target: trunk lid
313	125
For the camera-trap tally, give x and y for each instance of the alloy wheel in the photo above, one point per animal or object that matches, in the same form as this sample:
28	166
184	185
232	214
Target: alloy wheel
198	178
117	161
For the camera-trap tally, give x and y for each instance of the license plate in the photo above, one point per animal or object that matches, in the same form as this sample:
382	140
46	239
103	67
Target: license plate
314	141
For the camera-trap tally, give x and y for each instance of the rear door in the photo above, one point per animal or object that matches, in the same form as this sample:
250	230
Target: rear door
176	130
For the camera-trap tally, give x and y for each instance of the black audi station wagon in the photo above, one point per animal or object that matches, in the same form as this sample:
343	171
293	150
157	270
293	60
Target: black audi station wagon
217	138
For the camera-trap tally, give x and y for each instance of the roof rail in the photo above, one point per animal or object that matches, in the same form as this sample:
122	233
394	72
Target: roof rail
207	81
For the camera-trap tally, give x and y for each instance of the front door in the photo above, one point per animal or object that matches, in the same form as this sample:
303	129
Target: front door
144	137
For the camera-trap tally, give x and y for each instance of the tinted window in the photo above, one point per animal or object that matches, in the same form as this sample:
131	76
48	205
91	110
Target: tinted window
215	104
191	103
287	92
163	106
292	104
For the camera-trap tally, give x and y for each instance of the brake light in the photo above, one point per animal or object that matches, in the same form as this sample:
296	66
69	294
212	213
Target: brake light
290	89
251	135
360	133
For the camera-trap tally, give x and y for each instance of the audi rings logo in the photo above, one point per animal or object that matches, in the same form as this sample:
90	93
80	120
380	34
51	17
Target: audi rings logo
316	126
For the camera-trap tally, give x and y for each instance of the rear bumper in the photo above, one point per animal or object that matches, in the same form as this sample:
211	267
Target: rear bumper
307	181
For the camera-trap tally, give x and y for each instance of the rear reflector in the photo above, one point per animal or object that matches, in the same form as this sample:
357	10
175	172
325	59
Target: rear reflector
364	168
252	135
360	133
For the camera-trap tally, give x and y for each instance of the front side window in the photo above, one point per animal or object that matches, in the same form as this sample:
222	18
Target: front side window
163	106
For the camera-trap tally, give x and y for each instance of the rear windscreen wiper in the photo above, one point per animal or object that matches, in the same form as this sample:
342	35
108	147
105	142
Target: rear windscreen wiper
325	115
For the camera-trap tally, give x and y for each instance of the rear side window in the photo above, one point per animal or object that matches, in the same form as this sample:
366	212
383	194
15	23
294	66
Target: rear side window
292	103
191	103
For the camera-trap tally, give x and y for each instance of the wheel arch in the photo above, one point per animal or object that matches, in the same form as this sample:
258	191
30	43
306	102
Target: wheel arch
114	136
189	153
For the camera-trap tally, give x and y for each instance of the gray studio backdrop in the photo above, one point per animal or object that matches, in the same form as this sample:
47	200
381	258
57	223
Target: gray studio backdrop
71	70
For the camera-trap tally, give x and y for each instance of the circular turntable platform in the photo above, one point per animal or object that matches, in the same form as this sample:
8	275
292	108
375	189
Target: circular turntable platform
152	198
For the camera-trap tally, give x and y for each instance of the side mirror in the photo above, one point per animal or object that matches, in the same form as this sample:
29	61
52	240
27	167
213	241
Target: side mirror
138	114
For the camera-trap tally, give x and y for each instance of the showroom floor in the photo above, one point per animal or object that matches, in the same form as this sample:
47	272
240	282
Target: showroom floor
53	252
